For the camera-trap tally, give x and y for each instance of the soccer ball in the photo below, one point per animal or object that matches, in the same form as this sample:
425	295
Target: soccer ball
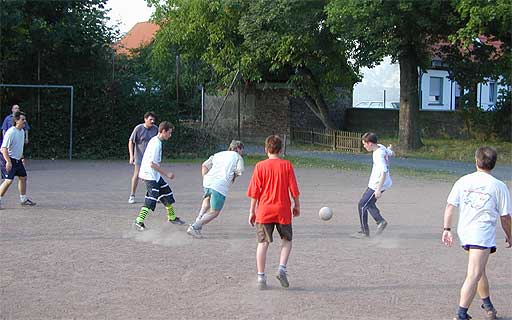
325	213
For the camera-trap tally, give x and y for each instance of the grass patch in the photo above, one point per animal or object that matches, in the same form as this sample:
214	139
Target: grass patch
438	149
459	150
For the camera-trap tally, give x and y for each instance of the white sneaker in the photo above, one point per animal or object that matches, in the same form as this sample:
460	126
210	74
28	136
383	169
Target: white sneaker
131	199
194	232
262	283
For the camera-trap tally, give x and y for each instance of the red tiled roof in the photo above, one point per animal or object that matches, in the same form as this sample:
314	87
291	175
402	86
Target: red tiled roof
141	34
437	49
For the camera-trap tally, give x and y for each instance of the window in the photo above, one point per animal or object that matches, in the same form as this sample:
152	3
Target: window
436	90
492	92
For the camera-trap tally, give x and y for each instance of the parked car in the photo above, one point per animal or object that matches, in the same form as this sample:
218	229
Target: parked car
378	105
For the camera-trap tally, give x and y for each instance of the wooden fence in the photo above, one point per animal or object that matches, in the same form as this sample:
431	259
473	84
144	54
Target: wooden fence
336	139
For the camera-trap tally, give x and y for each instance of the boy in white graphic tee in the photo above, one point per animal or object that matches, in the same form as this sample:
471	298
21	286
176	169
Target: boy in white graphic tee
151	173
380	180
481	199
219	172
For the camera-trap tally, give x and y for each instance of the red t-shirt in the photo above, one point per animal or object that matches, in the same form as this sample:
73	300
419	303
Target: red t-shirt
272	182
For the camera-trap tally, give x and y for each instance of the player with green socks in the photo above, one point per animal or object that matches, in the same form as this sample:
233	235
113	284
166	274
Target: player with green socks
151	173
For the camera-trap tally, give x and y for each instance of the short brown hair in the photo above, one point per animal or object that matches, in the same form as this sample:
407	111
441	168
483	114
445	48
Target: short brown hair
149	114
273	144
486	158
369	137
165	126
17	116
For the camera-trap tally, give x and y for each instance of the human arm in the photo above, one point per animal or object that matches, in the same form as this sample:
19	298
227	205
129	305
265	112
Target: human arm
506	225
26	136
252	211
447	236
239	169
296	207
130	152
206	166
8	163
378	189
156	167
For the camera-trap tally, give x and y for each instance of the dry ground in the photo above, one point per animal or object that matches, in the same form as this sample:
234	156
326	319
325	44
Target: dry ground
74	256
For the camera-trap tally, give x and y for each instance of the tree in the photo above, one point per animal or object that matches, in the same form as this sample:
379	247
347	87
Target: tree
403	29
268	40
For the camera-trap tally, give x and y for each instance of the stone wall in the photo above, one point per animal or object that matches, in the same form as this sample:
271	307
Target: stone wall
262	112
434	124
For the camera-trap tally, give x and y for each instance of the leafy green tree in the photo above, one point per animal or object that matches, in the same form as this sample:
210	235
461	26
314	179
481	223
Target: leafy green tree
403	29
267	40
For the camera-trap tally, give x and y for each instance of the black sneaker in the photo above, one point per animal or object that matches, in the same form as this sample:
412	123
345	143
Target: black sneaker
467	318
177	221
139	226
28	203
381	226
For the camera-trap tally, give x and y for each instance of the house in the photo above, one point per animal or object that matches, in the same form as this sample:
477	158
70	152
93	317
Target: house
141	34
436	90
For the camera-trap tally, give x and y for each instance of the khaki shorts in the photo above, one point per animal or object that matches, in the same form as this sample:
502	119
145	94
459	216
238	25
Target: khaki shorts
264	231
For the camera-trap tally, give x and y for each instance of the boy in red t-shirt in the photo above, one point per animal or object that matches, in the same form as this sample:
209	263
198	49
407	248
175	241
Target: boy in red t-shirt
272	183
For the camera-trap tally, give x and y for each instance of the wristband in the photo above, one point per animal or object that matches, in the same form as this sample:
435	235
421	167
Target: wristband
447	229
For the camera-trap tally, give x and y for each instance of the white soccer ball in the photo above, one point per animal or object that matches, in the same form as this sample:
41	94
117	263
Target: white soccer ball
325	213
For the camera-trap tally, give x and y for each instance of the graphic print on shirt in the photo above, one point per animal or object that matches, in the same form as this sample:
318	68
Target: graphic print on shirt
476	198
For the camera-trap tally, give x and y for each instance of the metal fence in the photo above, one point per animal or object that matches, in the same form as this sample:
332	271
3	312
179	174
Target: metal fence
336	139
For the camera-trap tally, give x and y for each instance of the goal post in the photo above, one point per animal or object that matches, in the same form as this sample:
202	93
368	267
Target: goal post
48	86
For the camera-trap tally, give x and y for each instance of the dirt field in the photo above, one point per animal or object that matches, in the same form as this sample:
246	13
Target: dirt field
75	256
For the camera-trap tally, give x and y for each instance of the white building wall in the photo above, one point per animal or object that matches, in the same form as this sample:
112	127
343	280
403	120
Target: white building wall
386	76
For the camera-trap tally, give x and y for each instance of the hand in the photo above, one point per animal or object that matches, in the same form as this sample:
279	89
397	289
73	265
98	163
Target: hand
296	211
252	218
377	194
447	238
8	166
508	243
170	175
132	160
24	162
26	141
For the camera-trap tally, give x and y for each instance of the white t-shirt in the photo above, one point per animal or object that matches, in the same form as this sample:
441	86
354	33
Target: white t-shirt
223	166
14	140
153	153
481	198
380	166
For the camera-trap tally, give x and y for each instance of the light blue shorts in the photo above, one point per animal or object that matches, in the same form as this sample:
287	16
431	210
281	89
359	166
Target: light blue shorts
216	199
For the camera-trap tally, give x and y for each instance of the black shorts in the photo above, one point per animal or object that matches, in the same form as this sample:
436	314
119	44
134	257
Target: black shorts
471	246
17	170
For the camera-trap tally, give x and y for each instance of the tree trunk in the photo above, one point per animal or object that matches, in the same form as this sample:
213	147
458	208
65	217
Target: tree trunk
314	98
408	126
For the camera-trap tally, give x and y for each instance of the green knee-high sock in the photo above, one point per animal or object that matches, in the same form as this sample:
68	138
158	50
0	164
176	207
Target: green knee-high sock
171	215
142	214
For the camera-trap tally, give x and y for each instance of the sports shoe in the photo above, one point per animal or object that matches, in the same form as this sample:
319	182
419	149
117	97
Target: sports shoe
177	221
131	199
196	233
457	318
360	235
490	314
281	276
381	226
139	226
28	203
262	283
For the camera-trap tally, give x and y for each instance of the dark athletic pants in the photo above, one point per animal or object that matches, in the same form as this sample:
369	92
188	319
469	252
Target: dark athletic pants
365	205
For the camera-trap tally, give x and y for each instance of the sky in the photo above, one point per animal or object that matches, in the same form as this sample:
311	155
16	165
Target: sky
126	13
